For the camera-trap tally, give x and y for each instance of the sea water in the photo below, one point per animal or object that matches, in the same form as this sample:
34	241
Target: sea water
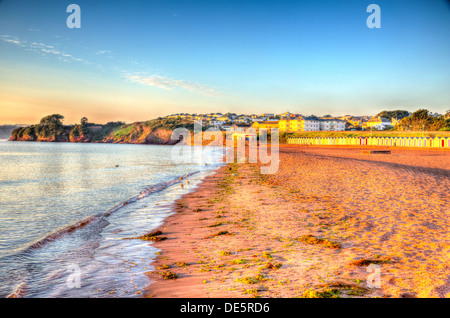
70	214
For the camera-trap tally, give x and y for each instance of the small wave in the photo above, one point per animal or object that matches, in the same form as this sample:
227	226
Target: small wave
80	224
148	191
66	230
19	291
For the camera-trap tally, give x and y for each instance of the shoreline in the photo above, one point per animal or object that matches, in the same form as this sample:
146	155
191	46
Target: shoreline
229	238
128	243
96	223
174	230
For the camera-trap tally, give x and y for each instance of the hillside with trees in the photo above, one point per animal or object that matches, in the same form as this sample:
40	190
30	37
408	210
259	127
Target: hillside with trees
394	114
424	120
52	129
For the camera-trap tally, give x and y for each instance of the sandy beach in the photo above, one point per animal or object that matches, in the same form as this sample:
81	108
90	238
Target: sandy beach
332	222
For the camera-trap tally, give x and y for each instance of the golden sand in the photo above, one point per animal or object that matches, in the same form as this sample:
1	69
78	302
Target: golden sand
313	229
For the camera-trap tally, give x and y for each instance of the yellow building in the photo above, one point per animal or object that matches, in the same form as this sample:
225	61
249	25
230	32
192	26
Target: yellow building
269	125
286	125
282	125
300	124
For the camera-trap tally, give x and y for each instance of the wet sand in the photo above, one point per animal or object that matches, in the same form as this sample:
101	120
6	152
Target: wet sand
332	222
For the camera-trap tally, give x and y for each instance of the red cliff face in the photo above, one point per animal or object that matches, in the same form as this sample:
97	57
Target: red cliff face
80	138
46	139
160	137
25	137
135	133
143	135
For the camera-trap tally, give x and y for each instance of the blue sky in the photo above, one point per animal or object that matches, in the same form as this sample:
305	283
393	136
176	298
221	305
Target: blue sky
136	60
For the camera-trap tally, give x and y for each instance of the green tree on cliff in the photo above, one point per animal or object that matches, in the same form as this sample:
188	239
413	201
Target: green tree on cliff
51	127
84	122
397	114
422	119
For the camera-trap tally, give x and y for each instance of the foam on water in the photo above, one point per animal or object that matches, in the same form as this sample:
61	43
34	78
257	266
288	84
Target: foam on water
97	248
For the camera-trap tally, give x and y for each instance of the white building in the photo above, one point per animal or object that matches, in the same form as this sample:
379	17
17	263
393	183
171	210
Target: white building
215	123
310	124
332	124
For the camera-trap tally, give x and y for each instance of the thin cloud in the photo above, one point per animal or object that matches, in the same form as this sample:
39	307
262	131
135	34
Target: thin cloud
41	48
103	52
168	83
6	38
146	80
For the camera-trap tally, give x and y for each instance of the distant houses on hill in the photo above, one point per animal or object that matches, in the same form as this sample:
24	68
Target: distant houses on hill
379	123
289	122
285	122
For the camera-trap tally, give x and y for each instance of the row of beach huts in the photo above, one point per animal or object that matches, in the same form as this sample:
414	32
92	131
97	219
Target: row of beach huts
421	142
